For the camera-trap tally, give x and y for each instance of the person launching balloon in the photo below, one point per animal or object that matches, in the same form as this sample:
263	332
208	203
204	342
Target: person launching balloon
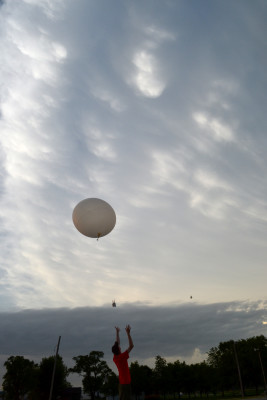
120	359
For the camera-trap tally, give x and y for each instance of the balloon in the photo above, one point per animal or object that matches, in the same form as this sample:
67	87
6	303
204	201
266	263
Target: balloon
94	217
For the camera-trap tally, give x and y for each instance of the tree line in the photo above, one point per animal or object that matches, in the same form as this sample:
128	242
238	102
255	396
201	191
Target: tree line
231	366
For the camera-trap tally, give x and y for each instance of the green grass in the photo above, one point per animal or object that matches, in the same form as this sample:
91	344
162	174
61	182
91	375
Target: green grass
228	395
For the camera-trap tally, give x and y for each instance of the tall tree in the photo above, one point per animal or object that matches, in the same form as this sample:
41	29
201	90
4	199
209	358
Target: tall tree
161	375
46	367
110	386
252	357
203	375
176	372
94	371
141	376
223	359
20	377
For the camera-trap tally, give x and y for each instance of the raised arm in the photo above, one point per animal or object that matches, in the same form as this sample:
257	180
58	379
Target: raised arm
128	331
117	334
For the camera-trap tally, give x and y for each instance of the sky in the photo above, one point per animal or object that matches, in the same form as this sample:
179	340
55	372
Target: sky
158	108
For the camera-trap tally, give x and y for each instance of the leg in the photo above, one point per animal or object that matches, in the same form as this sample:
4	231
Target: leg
125	392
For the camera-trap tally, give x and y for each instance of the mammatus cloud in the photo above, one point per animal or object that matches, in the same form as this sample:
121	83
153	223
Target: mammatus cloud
148	108
218	131
147	77
148	74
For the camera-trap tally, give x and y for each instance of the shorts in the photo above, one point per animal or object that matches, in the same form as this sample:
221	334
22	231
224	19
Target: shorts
125	391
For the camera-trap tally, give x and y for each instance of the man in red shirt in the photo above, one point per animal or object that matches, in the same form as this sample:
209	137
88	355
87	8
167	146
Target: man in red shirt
120	359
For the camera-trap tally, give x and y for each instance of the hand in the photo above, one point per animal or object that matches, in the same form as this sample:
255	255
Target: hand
128	329
117	329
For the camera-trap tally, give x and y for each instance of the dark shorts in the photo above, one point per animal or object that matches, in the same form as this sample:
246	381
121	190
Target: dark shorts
125	392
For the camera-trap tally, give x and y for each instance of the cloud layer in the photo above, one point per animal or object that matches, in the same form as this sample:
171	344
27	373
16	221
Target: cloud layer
172	330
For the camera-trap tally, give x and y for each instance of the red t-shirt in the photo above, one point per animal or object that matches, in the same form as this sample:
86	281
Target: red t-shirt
123	368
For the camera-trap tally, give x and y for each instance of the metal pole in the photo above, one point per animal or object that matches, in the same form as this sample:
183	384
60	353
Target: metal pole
54	370
239	373
265	386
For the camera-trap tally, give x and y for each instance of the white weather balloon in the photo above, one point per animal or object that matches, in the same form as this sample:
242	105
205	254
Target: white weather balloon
94	217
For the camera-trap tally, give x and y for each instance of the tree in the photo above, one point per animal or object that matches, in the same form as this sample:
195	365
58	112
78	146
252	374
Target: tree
249	359
177	372
140	379
93	370
203	376
45	376
20	377
223	359
161	375
110	386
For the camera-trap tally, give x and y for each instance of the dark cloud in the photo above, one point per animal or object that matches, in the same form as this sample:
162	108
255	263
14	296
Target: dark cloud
170	330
